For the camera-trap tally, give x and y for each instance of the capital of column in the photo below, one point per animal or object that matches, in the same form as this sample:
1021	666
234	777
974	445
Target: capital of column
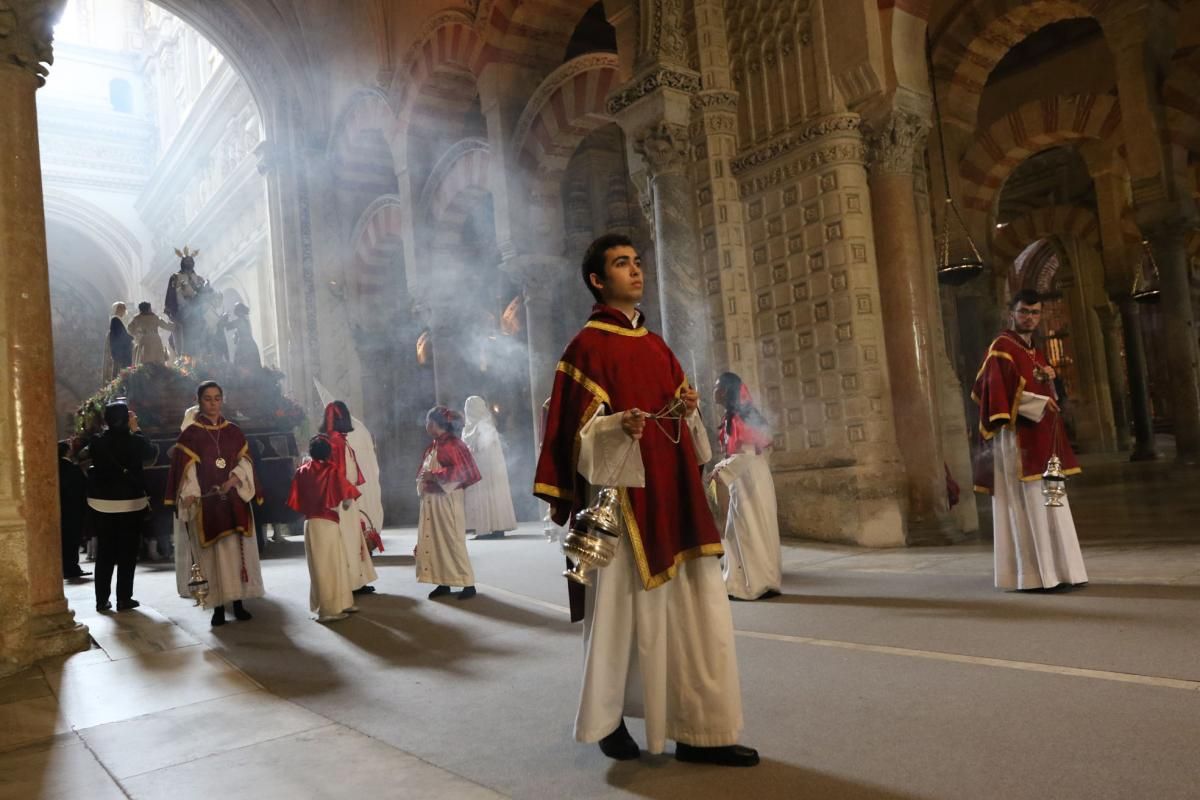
27	34
539	275
666	147
896	142
657	78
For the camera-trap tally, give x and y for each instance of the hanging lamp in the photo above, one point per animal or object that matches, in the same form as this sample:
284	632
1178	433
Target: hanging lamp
950	271
1146	291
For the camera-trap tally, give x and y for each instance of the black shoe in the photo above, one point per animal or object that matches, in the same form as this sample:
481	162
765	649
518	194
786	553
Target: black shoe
467	593
619	745
769	593
731	755
126	605
368	589
218	617
104	606
239	611
75	574
439	591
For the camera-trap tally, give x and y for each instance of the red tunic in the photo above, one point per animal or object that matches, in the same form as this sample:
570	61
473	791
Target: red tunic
1007	372
318	488
613	363
202	444
454	464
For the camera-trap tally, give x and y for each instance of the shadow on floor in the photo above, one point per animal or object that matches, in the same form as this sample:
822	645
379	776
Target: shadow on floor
663	778
956	607
489	605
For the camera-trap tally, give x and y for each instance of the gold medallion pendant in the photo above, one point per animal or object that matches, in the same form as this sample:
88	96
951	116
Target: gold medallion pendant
220	463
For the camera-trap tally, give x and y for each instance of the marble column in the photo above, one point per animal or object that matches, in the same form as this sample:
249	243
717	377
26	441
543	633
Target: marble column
906	281
666	150
1179	335
541	278
34	619
1139	381
1110	330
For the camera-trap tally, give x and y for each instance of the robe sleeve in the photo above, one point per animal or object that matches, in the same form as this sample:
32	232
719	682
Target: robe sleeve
1033	406
188	487
700	441
732	469
998	389
607	455
575	400
245	473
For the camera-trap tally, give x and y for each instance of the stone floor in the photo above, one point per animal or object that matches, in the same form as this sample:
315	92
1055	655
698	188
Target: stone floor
879	674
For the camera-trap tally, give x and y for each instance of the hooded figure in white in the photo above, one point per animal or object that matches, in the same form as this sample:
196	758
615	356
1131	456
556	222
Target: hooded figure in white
183	545
489	507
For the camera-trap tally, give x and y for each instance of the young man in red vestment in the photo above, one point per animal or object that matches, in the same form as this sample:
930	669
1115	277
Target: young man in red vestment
212	482
657	625
1021	427
320	491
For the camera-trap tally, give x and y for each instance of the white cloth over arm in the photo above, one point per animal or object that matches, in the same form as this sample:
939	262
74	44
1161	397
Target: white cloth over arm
607	455
1032	406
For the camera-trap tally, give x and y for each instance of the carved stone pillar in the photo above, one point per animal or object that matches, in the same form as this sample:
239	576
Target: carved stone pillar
1110	330
541	278
906	284
666	149
1179	335
34	619
1144	448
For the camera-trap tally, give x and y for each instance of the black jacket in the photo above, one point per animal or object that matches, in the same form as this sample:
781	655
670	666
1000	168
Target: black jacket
72	494
116	470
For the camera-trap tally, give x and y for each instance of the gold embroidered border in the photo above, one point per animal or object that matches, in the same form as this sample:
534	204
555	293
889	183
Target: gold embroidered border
550	490
210	427
639	554
584	381
617	329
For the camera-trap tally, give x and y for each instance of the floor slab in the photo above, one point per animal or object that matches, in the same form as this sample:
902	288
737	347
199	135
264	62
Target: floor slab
58	769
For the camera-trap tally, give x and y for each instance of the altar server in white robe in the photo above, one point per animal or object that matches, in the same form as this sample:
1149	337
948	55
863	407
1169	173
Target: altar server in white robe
752	564
338	426
183	548
212	482
1021	428
658	631
447	468
489	505
319	489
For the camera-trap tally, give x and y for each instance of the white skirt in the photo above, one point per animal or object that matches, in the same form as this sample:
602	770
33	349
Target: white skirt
330	593
441	552
753	561
360	569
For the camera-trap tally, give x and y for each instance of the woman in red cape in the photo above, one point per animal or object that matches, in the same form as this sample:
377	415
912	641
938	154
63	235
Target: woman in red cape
447	468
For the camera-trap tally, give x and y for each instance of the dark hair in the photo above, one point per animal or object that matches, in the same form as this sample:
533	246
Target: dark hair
341	419
116	416
144	307
729	386
446	419
320	448
1029	297
208	385
596	257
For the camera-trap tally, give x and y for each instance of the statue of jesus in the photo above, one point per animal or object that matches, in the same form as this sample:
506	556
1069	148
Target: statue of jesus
184	305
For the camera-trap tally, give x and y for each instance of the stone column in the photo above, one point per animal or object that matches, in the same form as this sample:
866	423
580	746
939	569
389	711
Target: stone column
666	149
906	280
1144	448
1110	330
541	279
1179	335
34	619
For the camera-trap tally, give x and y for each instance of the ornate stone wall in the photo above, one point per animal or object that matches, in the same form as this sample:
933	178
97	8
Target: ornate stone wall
821	359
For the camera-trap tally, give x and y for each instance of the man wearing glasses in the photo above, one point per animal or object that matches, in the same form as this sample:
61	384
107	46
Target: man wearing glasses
1021	427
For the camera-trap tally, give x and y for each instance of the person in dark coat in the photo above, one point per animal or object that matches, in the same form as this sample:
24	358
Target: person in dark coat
117	496
72	509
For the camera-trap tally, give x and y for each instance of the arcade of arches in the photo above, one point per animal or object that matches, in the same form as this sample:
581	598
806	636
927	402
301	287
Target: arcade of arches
434	171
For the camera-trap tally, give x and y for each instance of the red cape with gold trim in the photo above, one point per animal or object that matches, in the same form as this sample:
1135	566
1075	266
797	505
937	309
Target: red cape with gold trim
1008	372
455	464
202	444
613	363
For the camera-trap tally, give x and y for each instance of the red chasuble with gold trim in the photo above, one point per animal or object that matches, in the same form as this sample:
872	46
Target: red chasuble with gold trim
215	450
1009	370
614	363
318	487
